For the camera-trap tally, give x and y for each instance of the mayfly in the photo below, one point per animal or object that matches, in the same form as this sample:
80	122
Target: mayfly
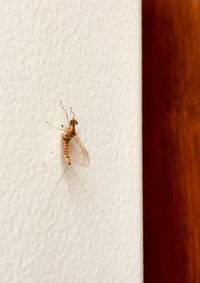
72	148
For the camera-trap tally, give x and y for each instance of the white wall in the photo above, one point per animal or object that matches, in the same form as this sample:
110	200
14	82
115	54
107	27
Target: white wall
87	53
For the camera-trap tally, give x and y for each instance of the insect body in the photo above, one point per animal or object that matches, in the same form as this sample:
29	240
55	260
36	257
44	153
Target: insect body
71	146
68	134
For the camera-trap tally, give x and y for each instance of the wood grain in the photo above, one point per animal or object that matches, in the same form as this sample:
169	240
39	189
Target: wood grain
171	140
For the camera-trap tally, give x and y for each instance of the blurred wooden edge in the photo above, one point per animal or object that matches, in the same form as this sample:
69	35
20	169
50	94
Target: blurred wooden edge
171	140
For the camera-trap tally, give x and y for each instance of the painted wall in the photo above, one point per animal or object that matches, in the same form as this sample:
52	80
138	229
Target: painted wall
86	226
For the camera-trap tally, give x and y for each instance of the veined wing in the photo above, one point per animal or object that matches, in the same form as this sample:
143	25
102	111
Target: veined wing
78	153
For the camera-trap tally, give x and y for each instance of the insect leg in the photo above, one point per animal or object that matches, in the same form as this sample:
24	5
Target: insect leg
52	195
51	152
64	111
100	212
50	125
73	115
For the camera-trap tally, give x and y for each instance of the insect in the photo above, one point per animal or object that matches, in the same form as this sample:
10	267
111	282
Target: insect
73	150
71	146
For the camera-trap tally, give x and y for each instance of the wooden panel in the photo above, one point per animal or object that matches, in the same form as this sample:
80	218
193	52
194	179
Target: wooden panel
171	140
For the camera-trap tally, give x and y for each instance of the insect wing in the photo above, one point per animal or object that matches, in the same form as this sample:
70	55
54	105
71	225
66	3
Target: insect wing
78	153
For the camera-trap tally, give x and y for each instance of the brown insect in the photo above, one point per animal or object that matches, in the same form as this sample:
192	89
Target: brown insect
73	151
72	148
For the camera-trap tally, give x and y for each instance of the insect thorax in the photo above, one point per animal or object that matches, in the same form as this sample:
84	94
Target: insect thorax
69	133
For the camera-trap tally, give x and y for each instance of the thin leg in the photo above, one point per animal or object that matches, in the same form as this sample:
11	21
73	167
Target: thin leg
53	126
51	197
64	111
72	112
55	147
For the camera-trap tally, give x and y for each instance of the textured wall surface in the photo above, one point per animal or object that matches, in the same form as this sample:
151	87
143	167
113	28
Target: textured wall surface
89	227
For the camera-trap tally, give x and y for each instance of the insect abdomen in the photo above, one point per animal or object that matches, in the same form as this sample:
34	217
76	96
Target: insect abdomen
64	145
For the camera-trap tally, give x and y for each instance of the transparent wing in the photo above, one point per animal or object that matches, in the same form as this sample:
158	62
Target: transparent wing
78	153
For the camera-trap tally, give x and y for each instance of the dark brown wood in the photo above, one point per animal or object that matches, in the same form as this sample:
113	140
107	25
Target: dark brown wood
171	140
